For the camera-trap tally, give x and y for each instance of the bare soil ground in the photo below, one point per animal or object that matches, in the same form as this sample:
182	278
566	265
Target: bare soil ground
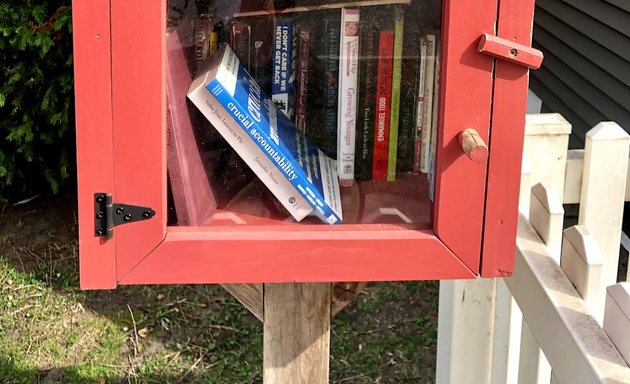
52	332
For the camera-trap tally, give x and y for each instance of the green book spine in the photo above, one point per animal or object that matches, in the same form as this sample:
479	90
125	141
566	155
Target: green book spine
396	77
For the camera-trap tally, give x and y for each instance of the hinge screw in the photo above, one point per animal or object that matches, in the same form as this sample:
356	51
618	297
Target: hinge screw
146	214
127	217
120	210
99	199
100	232
99	215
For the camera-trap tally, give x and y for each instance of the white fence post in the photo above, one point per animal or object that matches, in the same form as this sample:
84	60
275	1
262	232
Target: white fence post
582	263
545	148
508	322
575	344
546	215
603	191
533	365
546	143
508	319
617	319
465	328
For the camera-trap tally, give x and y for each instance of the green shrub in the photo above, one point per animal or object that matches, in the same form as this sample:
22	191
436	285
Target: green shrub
36	96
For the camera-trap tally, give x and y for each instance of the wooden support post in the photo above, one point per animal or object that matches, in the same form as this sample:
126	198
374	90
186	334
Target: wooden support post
582	263
296	339
603	191
249	295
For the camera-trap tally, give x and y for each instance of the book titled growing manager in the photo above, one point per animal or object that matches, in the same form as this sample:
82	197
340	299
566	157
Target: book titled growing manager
300	175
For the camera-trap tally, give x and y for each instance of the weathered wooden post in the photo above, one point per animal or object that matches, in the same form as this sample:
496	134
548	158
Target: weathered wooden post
296	333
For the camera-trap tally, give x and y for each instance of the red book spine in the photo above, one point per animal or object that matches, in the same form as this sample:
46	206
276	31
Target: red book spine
383	104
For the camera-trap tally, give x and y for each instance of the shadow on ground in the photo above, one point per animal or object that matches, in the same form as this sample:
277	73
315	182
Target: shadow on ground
51	332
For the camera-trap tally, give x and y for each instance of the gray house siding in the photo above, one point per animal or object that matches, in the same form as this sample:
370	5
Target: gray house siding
586	72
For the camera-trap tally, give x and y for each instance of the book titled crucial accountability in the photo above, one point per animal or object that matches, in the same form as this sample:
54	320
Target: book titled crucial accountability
300	175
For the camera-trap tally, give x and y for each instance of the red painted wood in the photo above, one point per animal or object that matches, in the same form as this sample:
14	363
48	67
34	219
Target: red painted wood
506	143
138	67
510	50
92	86
465	102
280	253
262	254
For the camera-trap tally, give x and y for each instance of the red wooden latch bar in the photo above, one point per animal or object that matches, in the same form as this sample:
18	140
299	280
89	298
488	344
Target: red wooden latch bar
510	50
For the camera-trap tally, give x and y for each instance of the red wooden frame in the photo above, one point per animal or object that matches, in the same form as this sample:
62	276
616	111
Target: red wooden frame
120	92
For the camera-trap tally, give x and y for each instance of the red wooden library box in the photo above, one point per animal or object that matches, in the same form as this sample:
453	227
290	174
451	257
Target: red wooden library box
391	230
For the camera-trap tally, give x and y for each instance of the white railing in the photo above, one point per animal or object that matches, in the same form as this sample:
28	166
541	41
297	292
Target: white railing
562	317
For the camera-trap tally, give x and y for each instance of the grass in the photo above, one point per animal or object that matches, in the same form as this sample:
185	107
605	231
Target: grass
52	332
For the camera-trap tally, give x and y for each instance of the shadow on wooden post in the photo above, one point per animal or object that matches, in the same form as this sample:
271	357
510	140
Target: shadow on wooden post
296	340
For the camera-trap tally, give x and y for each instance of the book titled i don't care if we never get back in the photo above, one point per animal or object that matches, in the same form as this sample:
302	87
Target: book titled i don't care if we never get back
300	175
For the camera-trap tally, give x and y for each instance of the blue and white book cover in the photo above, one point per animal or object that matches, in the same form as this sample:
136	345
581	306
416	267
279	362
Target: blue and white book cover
284	66
307	168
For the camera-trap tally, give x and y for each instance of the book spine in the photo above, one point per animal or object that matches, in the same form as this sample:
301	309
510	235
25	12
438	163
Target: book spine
417	148
251	153
434	121
240	40
383	104
202	33
331	52
367	101
395	108
302	80
408	96
427	108
261	52
283	79
347	111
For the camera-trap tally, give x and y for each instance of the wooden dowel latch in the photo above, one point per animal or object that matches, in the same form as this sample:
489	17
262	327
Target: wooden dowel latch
473	146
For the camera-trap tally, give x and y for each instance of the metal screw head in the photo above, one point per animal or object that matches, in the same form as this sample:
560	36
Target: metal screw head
99	215
100	232
120	210
146	214
127	217
99	199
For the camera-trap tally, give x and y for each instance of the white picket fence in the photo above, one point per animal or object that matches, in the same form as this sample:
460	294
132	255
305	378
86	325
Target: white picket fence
562	317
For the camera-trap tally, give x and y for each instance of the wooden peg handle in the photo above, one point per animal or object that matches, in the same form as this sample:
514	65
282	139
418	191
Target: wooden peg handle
473	145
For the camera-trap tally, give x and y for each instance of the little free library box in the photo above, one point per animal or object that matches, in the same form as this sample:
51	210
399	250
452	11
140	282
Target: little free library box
308	141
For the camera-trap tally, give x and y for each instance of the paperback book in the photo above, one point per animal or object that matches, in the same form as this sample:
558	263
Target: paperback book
427	107
434	122
300	175
332	32
347	110
417	148
408	99
301	103
284	63
383	104
367	99
395	108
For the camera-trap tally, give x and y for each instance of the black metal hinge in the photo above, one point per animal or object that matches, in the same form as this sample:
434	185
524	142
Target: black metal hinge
107	215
